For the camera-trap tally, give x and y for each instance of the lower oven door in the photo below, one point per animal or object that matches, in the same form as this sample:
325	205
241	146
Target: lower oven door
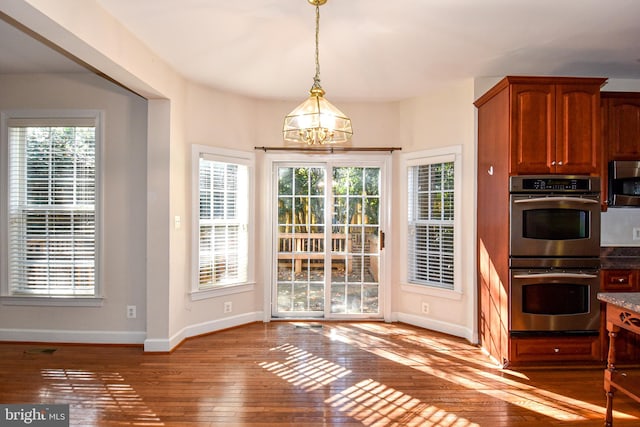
554	301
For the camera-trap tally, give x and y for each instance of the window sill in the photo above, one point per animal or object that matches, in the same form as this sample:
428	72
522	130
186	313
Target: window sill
220	291
431	291
52	301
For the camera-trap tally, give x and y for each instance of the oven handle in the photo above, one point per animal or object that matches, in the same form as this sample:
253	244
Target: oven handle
558	199
555	275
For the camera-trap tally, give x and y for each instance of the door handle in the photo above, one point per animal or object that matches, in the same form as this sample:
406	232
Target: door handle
381	240
555	276
557	199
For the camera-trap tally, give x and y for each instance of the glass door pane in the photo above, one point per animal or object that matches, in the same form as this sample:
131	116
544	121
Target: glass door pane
355	228
300	283
327	265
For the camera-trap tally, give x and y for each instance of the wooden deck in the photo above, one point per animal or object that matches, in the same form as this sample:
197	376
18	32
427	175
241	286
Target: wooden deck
304	374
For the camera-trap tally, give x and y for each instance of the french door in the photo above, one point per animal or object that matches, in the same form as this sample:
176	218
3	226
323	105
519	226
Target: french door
328	240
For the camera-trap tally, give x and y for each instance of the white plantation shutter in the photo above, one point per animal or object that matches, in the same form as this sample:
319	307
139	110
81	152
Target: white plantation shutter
52	207
223	223
431	224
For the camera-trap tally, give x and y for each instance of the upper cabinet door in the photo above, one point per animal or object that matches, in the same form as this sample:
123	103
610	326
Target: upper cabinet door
577	133
555	128
553	124
623	125
532	129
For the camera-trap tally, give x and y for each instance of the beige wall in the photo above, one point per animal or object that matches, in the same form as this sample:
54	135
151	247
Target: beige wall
124	210
442	119
181	114
219	120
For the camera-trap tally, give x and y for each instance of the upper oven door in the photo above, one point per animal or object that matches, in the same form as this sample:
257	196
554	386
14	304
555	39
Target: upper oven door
555	226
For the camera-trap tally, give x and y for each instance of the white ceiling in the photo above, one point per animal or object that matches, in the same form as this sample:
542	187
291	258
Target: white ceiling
370	50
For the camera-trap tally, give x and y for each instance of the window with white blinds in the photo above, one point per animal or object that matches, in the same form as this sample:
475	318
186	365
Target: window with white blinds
431	224
52	207
223	249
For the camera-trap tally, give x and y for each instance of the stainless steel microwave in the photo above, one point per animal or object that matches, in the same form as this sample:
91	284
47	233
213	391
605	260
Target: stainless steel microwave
624	183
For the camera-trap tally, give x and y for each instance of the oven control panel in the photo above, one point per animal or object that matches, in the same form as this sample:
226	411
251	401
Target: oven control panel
554	184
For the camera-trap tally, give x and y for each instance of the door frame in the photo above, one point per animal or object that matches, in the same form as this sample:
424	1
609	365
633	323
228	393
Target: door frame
267	249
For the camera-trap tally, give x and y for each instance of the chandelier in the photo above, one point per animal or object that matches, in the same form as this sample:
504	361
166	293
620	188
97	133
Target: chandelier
316	121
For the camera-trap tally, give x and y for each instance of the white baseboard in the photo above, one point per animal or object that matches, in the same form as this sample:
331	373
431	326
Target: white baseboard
118	337
75	337
166	345
436	325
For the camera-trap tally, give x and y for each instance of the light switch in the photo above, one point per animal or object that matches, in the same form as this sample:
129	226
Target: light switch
177	222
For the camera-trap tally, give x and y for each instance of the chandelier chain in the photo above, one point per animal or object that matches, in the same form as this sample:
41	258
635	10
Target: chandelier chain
316	78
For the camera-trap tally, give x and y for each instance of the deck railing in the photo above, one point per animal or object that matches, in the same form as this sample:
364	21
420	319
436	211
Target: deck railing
303	248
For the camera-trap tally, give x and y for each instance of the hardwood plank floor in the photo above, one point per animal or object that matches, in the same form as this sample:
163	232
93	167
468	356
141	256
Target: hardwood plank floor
304	374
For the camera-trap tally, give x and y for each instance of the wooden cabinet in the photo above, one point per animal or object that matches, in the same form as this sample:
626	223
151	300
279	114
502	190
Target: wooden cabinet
620	130
527	125
627	345
555	127
555	349
619	281
621	125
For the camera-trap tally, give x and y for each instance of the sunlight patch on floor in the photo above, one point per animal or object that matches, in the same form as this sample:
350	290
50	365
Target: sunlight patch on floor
375	404
435	363
302	369
370	402
90	393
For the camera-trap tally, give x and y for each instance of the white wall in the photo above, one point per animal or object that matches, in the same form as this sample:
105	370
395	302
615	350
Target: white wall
124	172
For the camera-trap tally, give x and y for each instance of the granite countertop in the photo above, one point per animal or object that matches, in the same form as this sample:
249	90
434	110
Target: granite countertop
628	300
620	257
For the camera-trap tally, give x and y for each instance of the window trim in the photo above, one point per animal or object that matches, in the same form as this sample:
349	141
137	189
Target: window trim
42	117
226	156
452	153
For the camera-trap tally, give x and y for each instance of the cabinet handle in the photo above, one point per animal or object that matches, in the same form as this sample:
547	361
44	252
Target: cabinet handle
618	280
556	350
553	163
559	163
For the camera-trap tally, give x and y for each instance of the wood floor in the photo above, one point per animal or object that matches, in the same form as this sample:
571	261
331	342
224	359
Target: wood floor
304	374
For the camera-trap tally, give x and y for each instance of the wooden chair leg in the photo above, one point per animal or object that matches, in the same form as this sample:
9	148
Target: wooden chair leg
608	421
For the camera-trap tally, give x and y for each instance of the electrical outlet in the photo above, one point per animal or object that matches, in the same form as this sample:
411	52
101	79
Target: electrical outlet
425	308
228	307
636	233
131	311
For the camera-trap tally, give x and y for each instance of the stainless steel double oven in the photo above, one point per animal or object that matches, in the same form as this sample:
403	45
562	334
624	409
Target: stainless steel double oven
554	255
